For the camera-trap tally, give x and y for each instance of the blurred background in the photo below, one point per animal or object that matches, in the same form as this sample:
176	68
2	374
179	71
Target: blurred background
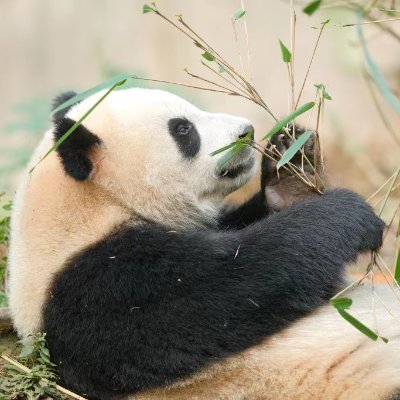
49	46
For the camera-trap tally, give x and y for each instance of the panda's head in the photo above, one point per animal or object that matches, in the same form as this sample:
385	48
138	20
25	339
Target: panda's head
146	147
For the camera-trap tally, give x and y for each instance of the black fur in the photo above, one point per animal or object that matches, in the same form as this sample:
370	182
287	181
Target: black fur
60	99
188	142
74	151
238	217
148	306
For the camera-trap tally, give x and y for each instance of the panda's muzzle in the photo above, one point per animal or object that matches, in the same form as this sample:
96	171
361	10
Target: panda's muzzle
234	171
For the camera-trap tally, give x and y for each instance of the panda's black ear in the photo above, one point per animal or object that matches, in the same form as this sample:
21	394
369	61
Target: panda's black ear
75	152
60	99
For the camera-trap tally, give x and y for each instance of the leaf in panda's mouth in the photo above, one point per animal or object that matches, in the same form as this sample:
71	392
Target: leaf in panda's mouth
230	154
234	148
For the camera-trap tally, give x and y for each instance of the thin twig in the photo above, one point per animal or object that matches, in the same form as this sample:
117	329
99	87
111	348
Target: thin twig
292	50
212	83
186	85
389	10
383	198
225	79
352	285
381	187
247	43
378	21
198	40
311	61
389	191
394	282
388	226
27	370
354	6
386	307
371	274
238	46
207	47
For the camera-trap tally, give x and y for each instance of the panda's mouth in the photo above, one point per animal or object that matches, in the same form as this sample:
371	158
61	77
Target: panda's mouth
234	171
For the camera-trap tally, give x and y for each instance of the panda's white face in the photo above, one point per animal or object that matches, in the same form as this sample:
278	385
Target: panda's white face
156	147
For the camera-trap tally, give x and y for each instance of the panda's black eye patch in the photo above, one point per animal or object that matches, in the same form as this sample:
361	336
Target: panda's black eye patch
185	135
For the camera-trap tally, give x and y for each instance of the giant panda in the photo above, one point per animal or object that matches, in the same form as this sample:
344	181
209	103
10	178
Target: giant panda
149	287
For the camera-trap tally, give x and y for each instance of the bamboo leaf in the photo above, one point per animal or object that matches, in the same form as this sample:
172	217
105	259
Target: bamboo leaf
7	206
230	154
245	141
311	7
221	68
28	348
239	14
397	266
358	325
294	148
376	73
77	123
283	122
214	153
208	56
286	54
117	80
322	88
147	9
342	305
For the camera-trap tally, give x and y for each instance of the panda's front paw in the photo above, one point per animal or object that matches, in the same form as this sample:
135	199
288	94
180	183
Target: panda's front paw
363	228
283	188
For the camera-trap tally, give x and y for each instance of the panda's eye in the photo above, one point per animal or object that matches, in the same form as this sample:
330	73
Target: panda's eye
185	135
183	129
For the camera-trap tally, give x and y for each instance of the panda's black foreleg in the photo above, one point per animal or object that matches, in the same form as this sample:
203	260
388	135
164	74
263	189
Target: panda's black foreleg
150	306
238	217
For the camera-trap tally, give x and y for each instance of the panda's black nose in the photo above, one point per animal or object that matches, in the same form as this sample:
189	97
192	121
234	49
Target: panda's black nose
248	132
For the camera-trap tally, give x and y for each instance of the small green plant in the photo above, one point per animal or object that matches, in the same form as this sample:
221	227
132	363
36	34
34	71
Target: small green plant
4	231
33	376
